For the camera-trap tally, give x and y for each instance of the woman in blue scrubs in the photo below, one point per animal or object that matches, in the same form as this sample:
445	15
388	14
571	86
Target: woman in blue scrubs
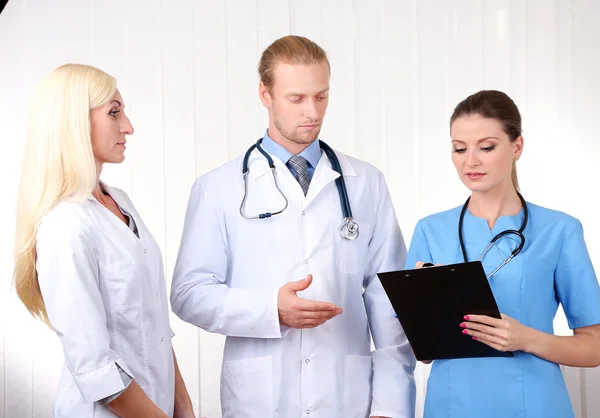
553	267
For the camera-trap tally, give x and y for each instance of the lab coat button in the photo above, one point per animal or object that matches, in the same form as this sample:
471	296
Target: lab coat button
307	360
303	213
161	339
145	251
306	261
157	295
308	412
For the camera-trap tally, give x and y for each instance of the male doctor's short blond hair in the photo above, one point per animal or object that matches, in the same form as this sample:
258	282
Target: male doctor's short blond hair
58	162
290	49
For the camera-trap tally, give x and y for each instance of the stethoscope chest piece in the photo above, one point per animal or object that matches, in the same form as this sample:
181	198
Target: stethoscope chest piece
349	229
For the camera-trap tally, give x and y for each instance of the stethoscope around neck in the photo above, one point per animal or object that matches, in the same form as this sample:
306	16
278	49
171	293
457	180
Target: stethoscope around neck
518	233
349	229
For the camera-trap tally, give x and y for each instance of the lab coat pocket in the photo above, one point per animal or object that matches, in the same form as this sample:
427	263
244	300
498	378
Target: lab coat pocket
247	388
357	386
121	282
350	255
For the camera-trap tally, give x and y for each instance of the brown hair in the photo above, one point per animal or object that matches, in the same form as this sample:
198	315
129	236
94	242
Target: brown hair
290	49
496	105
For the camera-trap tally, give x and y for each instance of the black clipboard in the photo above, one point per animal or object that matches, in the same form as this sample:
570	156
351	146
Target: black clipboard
431	303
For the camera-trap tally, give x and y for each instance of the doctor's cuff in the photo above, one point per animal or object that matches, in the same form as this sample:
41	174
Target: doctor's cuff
283	329
102	382
126	381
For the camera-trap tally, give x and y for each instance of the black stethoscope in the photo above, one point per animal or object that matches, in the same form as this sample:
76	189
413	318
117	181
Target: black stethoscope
349	229
518	233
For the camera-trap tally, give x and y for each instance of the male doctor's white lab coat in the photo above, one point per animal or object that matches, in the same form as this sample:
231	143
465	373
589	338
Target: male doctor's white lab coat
229	271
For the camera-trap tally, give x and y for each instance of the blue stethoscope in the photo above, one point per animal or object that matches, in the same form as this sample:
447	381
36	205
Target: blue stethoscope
518	233
349	229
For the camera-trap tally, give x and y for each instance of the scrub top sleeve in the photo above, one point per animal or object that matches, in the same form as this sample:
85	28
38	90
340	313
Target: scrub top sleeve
419	248
575	280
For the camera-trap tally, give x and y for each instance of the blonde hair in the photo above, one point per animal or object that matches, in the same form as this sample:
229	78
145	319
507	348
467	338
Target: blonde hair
290	49
58	162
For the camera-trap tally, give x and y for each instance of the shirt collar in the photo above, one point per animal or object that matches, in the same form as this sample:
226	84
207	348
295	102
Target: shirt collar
312	153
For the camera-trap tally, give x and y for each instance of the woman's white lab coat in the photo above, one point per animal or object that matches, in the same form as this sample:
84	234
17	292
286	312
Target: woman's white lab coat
229	270
105	295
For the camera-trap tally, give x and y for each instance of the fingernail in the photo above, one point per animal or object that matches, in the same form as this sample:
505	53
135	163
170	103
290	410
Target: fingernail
467	317
465	331
463	325
475	338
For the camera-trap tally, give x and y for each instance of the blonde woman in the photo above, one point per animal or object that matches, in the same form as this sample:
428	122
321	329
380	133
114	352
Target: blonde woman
85	262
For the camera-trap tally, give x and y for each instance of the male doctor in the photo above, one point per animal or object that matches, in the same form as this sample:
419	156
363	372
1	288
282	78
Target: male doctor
297	301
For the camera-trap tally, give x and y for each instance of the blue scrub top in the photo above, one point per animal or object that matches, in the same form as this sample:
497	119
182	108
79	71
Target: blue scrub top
554	267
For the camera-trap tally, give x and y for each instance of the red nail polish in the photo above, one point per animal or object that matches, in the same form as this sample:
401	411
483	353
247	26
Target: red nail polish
463	325
467	317
475	338
465	331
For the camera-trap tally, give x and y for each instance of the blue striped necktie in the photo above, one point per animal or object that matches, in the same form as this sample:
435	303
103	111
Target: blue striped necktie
300	166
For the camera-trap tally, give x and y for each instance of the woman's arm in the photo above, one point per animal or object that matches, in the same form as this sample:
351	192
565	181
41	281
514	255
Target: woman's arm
183	403
579	350
67	267
133	403
578	292
508	334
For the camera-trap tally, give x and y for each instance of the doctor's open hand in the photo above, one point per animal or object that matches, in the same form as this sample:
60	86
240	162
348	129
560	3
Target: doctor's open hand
296	312
506	334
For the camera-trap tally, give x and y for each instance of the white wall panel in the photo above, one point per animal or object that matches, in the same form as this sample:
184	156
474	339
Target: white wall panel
243	106
338	38
368	82
211	148
13	105
495	44
179	132
306	18
400	122
111	53
432	142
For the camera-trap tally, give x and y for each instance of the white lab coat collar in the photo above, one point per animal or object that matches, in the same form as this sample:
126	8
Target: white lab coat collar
116	197
259	166
105	187
323	175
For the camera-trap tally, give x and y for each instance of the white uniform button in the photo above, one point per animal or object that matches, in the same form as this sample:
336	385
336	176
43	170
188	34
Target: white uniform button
308	412
157	295
145	251
303	213
161	339
307	360
306	261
